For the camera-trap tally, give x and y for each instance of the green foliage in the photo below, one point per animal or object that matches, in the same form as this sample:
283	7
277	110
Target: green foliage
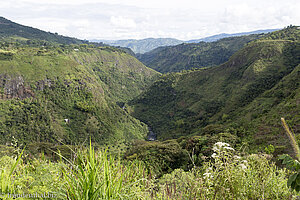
159	157
58	94
247	95
6	173
97	174
288	161
227	176
294	179
270	149
102	176
289	33
196	55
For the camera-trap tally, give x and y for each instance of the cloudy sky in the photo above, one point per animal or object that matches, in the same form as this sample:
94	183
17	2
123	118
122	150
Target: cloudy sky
137	19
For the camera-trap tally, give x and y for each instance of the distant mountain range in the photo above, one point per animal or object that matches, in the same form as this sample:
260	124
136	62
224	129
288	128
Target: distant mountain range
225	35
142	46
148	44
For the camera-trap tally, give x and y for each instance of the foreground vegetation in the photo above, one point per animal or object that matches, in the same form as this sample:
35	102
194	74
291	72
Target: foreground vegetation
98	174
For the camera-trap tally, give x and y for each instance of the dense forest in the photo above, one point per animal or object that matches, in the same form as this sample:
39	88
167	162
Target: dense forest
74	119
246	95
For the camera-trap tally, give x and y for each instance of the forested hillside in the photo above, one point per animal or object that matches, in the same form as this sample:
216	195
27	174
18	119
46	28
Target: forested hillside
195	55
247	95
69	93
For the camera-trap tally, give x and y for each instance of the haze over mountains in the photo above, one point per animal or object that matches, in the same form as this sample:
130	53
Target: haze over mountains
148	44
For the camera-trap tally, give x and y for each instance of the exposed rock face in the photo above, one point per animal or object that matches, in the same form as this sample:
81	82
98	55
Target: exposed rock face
13	87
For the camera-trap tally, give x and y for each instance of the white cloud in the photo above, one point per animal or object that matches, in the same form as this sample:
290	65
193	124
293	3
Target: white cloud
122	22
121	19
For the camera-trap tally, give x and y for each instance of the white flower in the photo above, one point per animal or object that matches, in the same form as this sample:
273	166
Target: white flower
215	148
243	166
207	175
229	148
236	157
214	155
221	145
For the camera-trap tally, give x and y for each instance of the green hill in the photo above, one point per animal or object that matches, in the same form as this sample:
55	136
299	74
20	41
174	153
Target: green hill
14	31
195	55
246	96
69	93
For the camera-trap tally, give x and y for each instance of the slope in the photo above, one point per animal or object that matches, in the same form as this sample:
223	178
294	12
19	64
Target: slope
69	93
14	31
246	95
198	55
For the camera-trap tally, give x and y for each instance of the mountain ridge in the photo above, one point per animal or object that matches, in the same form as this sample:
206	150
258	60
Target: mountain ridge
194	55
225	35
147	44
20	32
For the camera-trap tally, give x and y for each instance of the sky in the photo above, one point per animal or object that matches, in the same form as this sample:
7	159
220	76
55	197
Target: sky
138	19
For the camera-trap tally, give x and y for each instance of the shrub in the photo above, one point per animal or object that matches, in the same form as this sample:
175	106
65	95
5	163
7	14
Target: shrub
228	176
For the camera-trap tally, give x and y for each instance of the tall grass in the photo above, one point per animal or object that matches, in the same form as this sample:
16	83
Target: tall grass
292	139
92	175
6	175
98	175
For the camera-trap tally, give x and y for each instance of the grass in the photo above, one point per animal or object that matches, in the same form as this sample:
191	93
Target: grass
6	175
97	174
102	176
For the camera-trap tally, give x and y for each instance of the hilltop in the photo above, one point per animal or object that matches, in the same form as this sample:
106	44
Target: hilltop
196	55
13	31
